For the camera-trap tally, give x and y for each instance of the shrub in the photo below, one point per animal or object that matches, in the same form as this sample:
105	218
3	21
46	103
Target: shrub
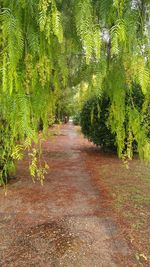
76	119
94	117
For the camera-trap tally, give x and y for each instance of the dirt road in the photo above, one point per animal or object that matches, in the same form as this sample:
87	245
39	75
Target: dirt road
68	221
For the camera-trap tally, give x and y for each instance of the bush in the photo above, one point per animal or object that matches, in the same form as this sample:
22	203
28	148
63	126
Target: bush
94	117
76	119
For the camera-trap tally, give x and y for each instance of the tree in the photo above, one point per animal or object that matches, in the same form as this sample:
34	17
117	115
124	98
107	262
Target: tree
48	45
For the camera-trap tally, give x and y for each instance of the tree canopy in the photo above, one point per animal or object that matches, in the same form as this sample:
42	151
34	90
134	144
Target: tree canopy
48	46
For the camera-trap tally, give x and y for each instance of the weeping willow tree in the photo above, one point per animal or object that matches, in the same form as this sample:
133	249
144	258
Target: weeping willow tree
47	46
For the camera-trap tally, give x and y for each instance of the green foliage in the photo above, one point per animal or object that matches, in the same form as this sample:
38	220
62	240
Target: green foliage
88	29
51	46
94	116
100	119
29	66
35	167
76	119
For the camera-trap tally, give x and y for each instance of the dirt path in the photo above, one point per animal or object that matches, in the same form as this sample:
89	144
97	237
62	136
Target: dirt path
67	222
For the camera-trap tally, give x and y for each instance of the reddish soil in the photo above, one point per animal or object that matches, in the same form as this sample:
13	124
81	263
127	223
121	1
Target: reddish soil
70	221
